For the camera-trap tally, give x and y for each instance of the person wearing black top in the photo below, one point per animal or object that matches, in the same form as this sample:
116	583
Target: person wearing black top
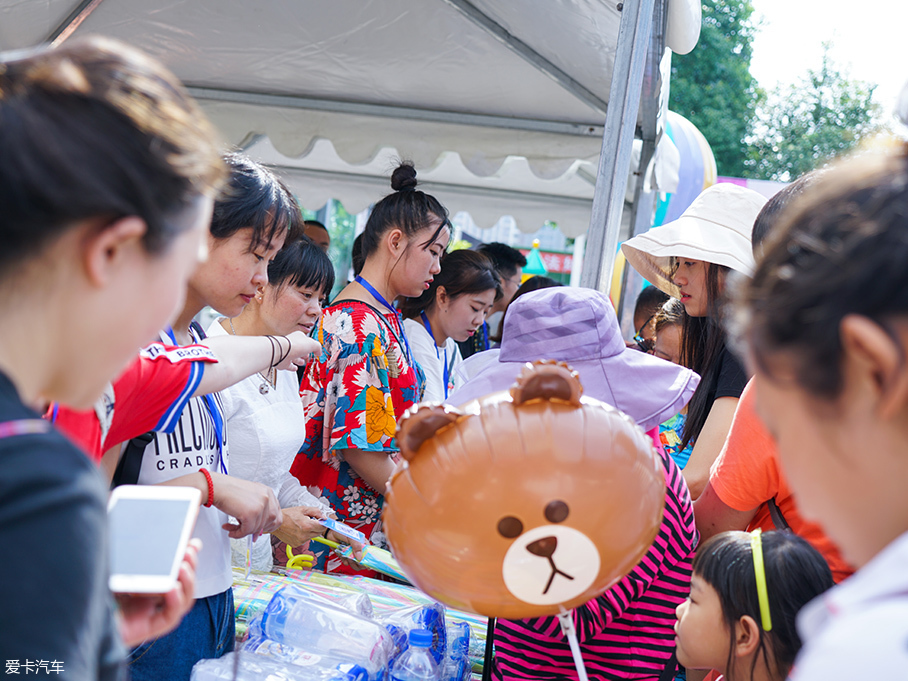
106	187
508	262
692	259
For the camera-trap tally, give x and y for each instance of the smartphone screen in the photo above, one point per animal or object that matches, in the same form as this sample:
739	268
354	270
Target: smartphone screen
145	535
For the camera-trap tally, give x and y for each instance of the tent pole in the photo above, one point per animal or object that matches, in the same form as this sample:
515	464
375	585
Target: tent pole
655	77
69	25
617	139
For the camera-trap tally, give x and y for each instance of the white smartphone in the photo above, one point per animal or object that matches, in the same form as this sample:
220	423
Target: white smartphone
150	526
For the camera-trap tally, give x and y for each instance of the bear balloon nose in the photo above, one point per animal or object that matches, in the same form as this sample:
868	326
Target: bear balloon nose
544	547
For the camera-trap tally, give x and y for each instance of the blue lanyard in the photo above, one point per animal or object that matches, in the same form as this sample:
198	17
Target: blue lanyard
485	335
446	370
400	322
213	411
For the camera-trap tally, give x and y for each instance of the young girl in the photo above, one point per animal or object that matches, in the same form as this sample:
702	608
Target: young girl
263	412
668	323
746	591
106	186
626	632
448	313
366	376
690	259
827	328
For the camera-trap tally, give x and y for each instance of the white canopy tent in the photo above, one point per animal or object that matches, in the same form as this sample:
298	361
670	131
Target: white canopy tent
512	190
488	79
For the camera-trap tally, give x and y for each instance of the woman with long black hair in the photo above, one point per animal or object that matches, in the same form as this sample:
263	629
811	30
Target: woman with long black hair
691	259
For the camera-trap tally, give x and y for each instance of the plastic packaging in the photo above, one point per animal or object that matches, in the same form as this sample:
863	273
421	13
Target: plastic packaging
457	661
246	666
430	617
417	664
341	528
297	618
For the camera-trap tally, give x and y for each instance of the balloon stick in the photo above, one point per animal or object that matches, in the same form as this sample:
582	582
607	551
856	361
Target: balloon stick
567	626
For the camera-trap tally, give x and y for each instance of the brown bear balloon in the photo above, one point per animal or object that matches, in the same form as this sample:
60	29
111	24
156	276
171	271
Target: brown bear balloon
524	503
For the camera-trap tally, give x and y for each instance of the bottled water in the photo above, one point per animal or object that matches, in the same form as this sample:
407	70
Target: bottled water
314	625
417	664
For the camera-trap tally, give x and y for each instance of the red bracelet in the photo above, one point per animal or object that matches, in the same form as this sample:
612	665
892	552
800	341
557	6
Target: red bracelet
207	475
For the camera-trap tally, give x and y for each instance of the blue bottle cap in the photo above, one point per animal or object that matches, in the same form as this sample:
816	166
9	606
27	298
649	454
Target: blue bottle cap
421	638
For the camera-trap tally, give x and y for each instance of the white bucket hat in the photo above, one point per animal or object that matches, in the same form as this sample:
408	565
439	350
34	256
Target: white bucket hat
715	228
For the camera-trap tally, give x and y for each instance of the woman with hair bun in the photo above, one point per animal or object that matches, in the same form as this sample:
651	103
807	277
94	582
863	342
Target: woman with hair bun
450	312
366	376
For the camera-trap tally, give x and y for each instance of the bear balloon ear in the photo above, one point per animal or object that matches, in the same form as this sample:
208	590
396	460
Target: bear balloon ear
547	380
421	423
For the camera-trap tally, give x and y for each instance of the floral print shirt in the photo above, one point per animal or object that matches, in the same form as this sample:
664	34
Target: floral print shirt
362	382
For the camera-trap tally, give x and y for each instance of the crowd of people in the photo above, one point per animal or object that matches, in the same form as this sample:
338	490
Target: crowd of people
767	367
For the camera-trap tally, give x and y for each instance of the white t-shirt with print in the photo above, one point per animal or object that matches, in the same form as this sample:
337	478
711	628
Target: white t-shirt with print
266	432
191	446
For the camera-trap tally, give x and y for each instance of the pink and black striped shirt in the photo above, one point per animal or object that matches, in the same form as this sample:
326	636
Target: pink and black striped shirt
628	631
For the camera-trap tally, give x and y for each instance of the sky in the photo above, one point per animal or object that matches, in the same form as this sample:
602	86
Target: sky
869	39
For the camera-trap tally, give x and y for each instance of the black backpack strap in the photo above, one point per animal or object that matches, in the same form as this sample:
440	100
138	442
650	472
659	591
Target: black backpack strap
130	463
670	668
777	518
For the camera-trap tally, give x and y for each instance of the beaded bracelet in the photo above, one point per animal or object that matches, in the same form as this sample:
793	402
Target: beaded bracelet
207	475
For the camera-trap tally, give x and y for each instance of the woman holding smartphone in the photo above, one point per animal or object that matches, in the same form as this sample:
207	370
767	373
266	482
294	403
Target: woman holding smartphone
106	188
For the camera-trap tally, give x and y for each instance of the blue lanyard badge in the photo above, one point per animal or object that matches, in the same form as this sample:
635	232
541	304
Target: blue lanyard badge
485	335
447	370
400	322
214	412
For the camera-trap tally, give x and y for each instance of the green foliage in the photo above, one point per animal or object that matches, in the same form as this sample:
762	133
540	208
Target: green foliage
802	126
712	86
341	226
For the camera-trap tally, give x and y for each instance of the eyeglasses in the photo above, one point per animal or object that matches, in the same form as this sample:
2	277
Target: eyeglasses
645	344
756	545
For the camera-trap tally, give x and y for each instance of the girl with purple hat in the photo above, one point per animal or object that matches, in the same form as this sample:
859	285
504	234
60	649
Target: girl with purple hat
627	632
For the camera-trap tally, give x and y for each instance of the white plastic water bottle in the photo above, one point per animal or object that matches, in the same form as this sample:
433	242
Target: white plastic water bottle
417	663
323	629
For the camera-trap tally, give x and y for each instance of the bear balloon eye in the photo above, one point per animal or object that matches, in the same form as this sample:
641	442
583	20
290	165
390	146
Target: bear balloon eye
510	527
556	511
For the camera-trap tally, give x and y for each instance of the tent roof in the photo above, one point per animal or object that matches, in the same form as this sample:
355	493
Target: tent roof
485	78
513	190
500	104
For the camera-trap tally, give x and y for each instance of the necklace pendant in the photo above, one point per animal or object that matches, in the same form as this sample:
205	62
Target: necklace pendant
264	388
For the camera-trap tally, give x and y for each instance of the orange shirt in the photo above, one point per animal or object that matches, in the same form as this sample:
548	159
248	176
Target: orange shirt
747	474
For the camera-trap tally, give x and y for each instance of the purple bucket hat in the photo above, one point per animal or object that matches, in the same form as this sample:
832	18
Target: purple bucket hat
579	326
